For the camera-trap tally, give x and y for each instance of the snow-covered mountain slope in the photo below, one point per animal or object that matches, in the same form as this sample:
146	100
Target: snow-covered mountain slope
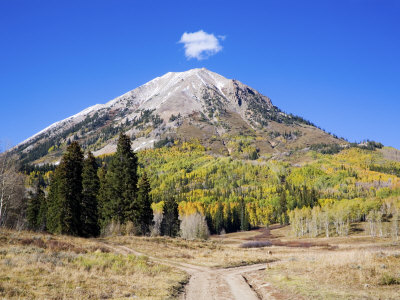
194	104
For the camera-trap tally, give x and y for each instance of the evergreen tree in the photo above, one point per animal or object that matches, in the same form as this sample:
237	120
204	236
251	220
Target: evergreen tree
119	194
219	218
103	209
34	206
144	210
65	196
42	216
244	218
170	223
282	208
90	190
228	220
54	202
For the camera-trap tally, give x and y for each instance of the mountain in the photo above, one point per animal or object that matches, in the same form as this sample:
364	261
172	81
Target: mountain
225	115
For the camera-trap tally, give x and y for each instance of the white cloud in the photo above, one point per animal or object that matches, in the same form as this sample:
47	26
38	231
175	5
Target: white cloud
200	44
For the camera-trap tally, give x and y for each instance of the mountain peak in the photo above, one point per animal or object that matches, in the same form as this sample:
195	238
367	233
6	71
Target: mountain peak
204	75
197	103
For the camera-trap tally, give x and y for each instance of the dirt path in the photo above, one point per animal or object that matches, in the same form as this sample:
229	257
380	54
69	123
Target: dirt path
208	283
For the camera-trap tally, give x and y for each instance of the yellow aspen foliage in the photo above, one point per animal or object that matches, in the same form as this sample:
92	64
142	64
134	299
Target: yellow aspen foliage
157	207
187	208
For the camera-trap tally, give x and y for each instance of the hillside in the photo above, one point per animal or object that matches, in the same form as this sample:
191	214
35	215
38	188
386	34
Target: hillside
218	147
236	165
227	116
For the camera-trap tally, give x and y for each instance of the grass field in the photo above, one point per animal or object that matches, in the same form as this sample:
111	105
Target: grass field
36	266
222	253
58	267
354	267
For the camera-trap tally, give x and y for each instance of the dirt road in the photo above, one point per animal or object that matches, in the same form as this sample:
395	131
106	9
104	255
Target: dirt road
208	283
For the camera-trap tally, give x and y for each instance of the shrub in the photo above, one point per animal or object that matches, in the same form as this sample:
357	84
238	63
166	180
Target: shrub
326	148
388	279
256	244
130	229
112	228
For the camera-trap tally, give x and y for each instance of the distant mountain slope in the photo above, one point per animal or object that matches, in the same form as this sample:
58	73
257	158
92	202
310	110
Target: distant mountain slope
227	116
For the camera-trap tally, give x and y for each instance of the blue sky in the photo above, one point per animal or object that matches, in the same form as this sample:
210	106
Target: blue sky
336	63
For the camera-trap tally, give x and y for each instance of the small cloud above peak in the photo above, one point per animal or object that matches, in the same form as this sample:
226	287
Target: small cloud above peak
200	44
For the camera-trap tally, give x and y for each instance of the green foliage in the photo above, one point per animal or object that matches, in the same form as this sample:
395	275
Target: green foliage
66	193
170	223
144	214
102	198
54	204
173	117
168	141
244	217
42	215
391	168
36	204
40	150
81	196
389	279
118	193
145	117
89	205
233	193
370	145
219	218
269	189
326	148
28	168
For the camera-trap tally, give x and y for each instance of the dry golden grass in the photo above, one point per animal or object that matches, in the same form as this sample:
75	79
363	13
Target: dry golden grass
359	267
210	253
60	267
355	267
55	267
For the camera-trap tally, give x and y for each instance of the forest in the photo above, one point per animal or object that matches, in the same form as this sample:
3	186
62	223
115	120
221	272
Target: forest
181	188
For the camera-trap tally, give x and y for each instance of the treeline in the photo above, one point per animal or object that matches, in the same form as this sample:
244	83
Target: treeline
367	145
338	217
84	200
231	212
229	194
326	148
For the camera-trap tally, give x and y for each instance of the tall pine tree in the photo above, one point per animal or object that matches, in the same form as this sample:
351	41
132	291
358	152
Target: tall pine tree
42	216
35	203
65	196
170	223
119	193
54	211
89	204
219	218
144	210
244	217
103	207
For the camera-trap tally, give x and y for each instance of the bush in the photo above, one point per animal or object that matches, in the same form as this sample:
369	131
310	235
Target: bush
326	148
256	244
194	226
168	141
111	229
388	279
130	229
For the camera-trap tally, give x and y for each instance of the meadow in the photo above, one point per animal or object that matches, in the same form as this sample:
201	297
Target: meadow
43	266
